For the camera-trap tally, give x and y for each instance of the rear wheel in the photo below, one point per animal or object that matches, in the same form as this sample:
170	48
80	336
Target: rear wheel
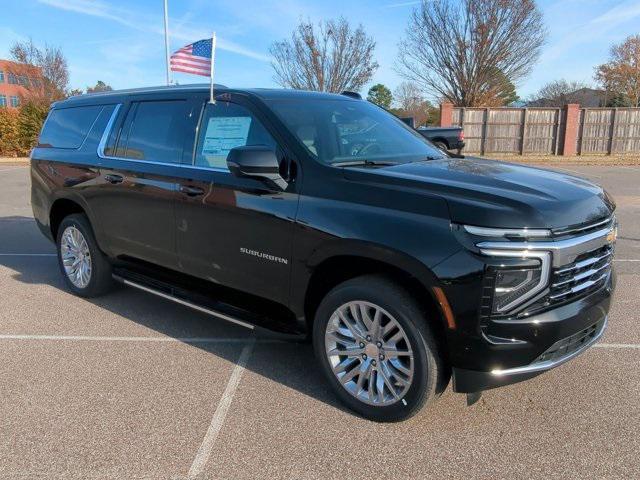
441	145
85	269
376	349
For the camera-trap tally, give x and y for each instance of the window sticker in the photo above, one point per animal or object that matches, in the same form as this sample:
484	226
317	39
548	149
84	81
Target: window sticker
225	133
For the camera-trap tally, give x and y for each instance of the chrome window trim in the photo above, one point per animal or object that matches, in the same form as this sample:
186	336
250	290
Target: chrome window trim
508	232
564	251
197	134
545	261
105	137
107	131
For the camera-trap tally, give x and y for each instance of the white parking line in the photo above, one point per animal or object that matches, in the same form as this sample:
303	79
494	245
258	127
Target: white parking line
204	452
84	338
625	260
618	345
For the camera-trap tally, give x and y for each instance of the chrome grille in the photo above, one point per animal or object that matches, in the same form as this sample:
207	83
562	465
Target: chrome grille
587	273
580	263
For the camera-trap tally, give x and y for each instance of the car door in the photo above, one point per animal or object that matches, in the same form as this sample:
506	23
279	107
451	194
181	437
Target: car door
235	231
139	175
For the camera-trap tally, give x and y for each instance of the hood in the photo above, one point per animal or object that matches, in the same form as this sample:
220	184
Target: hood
498	194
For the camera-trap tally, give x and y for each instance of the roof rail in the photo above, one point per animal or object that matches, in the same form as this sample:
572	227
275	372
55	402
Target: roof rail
186	86
355	95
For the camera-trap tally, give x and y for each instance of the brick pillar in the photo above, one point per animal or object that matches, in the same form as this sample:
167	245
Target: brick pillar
572	117
446	114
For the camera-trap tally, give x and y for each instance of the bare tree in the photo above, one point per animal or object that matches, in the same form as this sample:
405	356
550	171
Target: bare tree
328	58
52	65
556	93
460	50
411	102
621	74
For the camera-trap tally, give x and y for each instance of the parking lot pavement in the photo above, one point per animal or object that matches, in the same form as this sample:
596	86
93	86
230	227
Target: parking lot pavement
130	386
106	409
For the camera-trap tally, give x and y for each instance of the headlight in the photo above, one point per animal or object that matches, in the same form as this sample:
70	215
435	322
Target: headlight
515	285
511	286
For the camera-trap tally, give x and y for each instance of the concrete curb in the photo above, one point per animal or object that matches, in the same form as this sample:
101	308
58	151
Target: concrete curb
576	161
14	161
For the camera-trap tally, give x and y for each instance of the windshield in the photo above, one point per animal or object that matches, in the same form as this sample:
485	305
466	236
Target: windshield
336	131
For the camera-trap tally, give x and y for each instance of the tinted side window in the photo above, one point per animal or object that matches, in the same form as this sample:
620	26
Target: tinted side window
68	127
156	131
225	126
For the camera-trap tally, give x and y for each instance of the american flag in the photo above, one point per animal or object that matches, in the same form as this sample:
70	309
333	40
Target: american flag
194	58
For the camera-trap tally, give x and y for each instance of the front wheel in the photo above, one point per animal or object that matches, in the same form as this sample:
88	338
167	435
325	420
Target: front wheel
375	346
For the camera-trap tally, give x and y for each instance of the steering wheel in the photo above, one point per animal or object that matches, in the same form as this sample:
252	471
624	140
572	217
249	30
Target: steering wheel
360	150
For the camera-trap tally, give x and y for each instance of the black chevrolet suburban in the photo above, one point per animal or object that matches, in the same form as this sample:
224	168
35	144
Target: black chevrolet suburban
322	216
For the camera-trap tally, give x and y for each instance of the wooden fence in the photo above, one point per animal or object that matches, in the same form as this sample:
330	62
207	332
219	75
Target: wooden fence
543	131
608	130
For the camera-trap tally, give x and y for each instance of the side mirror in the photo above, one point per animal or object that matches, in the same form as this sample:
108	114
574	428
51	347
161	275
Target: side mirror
256	161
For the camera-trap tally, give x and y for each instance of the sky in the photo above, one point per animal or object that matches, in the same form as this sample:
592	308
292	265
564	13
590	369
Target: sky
121	41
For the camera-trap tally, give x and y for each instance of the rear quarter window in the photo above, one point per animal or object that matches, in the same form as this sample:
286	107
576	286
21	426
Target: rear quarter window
68	127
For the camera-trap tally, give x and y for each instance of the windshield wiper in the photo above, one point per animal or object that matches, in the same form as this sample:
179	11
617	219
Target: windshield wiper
364	162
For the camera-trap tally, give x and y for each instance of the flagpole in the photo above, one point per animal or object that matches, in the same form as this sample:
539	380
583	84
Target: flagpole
213	56
166	40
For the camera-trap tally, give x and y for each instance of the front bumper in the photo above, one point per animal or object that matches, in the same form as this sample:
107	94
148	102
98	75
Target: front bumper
553	338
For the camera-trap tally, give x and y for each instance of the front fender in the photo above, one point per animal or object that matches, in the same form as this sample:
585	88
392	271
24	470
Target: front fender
372	251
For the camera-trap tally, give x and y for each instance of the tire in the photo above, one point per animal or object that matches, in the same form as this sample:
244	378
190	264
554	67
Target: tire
97	279
375	293
441	145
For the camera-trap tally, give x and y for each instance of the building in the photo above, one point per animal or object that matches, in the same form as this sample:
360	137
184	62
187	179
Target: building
589	97
16	80
585	97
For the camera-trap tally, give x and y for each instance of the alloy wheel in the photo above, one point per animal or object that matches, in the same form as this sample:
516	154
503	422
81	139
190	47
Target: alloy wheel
76	257
369	353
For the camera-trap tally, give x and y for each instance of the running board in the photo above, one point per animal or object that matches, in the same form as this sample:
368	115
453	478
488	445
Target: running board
183	302
180	296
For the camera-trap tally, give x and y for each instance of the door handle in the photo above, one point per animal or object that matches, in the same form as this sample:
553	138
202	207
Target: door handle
191	191
113	178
